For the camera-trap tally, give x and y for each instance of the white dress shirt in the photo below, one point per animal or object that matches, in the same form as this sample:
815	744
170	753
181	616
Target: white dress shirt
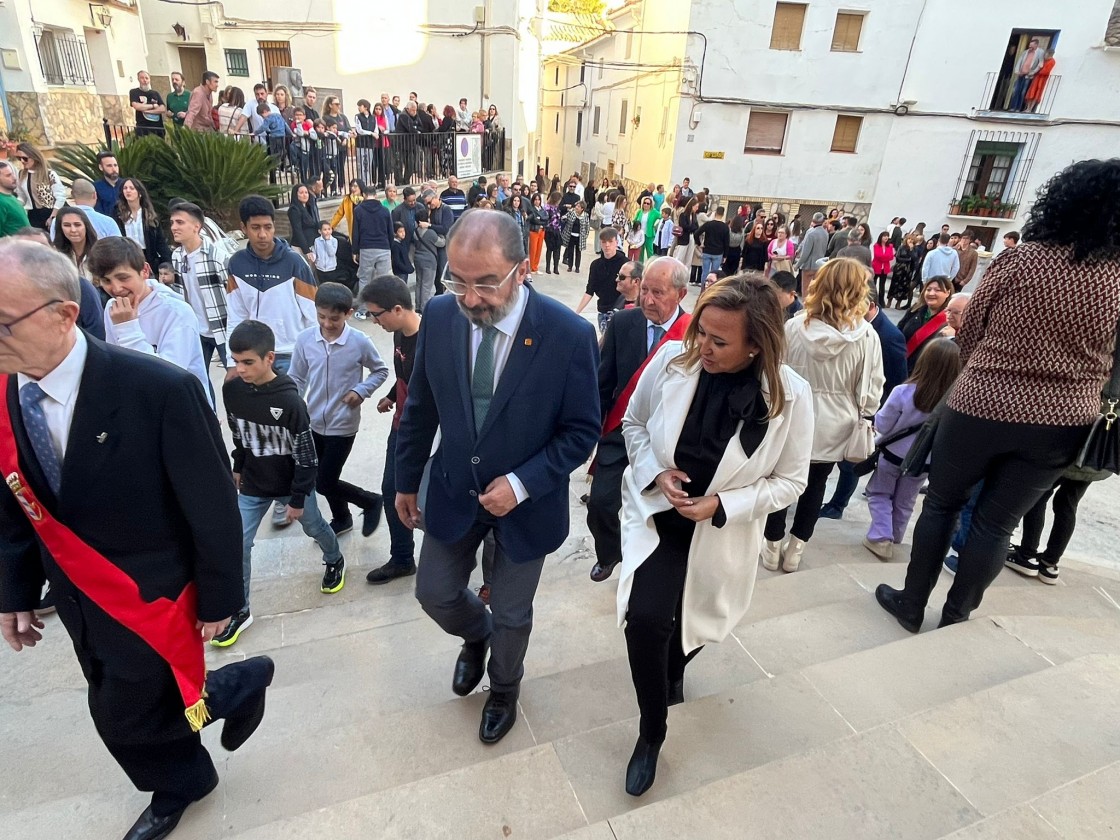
61	387
650	343
503	344
134	228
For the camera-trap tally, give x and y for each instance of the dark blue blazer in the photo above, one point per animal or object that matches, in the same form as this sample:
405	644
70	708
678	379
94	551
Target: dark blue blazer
543	423
893	343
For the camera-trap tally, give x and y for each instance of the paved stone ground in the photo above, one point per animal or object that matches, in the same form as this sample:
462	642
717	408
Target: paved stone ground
818	718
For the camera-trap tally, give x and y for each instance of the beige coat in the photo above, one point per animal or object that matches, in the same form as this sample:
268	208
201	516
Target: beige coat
722	561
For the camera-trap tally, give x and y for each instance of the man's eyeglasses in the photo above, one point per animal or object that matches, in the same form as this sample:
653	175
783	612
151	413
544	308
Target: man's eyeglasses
459	288
6	329
376	315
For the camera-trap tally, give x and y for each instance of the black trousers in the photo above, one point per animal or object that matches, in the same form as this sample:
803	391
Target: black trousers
333	450
1017	462
1067	494
572	253
552	254
653	624
176	773
881	282
808	509
605	500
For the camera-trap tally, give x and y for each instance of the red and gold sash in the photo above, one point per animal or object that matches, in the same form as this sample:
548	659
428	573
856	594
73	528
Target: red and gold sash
927	331
618	410
167	627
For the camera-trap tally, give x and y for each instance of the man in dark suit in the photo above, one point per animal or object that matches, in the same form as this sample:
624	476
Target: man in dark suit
626	345
121	497
508	377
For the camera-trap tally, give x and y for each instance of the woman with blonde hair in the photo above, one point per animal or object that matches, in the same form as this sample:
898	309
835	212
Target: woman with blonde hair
718	434
39	188
830	344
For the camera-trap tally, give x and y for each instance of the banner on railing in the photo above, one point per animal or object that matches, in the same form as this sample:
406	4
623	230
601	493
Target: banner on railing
468	155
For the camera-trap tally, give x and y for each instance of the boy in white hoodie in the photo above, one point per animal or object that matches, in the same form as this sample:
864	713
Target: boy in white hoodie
143	314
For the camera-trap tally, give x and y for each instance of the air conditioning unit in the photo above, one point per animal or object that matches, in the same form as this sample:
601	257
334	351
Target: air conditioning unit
289	77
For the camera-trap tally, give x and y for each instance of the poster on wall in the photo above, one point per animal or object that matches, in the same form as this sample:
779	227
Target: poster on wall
468	155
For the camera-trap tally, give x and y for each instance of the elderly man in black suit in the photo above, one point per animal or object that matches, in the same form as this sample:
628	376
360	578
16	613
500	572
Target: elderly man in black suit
631	337
121	496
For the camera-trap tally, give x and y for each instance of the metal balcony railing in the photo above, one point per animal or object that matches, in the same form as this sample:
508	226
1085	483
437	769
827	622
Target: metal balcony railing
999	97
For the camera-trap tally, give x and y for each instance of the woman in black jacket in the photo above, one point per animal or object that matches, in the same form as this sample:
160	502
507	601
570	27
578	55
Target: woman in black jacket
305	230
137	219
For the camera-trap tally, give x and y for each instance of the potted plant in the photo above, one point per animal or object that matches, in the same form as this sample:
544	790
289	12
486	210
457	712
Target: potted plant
983	206
1008	210
955	208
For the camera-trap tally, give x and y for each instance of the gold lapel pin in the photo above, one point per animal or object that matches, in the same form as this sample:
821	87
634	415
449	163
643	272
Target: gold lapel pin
528	342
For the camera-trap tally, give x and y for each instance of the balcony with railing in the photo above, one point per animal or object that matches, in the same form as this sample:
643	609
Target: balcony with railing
994	174
999	99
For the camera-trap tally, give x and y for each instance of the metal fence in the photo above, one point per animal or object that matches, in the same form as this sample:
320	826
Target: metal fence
400	160
998	96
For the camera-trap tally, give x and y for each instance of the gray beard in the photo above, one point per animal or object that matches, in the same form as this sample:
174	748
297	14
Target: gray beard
494	316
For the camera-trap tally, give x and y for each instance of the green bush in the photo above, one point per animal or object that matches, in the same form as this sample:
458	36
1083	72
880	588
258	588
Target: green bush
215	171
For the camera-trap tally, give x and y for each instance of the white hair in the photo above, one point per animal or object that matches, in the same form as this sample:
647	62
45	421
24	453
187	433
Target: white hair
44	268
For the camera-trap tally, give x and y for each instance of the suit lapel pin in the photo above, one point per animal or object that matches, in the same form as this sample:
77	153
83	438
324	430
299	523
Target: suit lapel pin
528	342
101	438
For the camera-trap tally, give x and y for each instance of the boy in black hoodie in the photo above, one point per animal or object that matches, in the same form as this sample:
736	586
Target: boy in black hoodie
273	457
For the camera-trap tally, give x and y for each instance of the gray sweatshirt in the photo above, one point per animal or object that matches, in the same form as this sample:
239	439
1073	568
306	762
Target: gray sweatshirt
324	373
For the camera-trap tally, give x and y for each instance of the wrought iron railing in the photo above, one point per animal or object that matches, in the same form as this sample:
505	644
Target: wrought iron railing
1000	96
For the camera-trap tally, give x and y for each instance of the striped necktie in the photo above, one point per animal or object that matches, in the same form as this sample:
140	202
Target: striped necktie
482	379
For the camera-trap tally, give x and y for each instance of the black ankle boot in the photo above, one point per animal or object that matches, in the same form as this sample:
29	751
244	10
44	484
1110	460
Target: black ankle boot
642	769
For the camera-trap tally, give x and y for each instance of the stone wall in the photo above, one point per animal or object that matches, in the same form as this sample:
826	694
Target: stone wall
65	116
117	110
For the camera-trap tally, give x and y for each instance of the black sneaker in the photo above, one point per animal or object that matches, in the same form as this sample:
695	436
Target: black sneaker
342	526
390	571
1047	573
1022	562
240	622
334	578
371	516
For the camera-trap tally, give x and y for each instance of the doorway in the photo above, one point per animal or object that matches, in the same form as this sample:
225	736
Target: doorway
192	64
1017	44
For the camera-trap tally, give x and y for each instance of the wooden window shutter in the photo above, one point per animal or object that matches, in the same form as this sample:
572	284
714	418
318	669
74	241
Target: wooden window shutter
789	20
845	37
766	132
846	133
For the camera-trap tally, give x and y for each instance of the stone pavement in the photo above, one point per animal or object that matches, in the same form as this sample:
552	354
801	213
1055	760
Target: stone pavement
818	718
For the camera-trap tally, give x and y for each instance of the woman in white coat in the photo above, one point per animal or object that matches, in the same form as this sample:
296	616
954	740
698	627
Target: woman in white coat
830	344
718	433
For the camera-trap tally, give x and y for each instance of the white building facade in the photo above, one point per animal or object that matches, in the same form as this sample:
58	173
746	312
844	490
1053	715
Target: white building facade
881	107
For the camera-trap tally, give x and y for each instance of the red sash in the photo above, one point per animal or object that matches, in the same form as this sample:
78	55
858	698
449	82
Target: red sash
167	627
927	331
618	410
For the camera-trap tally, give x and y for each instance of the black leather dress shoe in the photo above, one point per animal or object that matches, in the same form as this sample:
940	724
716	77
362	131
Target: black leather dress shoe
642	769
151	827
890	599
498	716
469	667
601	571
676	692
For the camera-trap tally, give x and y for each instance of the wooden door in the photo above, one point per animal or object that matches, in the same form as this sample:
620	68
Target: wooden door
192	64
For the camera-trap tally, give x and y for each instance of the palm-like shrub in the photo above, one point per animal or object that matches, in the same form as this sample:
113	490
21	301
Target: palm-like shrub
215	171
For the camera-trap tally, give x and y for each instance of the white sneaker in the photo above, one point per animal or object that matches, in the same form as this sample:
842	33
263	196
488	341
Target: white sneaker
771	554
791	554
883	549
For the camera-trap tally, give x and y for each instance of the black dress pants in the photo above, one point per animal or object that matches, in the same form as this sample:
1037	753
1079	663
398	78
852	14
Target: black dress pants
333	450
653	624
808	509
1017	462
177	773
605	500
1067	494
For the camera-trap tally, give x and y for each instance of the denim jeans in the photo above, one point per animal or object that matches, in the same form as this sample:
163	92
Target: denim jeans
708	264
845	486
253	509
402	544
282	362
372	262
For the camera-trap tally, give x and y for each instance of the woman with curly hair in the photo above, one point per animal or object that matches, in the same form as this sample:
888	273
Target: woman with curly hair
1037	345
837	351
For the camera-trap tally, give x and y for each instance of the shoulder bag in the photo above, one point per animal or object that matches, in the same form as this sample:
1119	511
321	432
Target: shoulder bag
868	465
1102	448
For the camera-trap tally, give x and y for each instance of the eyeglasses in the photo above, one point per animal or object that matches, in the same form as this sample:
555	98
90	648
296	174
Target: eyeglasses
376	315
6	329
459	288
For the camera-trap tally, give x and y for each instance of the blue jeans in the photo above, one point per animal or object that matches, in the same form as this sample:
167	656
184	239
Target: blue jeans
708	264
282	362
961	535
253	509
209	347
845	486
1019	93
402	544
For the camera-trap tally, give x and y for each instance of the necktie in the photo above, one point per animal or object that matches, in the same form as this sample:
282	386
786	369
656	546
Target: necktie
656	334
482	380
30	403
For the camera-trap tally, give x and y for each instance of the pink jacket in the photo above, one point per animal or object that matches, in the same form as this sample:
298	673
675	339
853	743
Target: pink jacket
881	258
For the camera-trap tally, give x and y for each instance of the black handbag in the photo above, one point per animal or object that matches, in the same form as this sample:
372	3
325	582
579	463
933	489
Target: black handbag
916	462
1102	448
868	465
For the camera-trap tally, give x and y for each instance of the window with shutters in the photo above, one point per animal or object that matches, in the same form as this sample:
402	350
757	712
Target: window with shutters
595	121
274	54
579	127
622	116
789	21
849	27
766	133
846	134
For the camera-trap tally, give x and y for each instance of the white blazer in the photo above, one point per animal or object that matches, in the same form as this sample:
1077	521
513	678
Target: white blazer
722	562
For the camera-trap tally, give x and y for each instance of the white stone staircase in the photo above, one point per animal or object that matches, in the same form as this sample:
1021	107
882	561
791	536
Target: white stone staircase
819	718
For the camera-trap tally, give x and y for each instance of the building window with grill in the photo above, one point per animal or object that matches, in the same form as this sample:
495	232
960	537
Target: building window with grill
274	54
846	134
622	116
789	21
595	121
579	127
63	58
846	34
766	133
989	172
237	63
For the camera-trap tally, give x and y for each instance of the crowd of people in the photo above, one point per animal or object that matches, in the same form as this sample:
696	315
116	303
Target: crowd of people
707	426
386	142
